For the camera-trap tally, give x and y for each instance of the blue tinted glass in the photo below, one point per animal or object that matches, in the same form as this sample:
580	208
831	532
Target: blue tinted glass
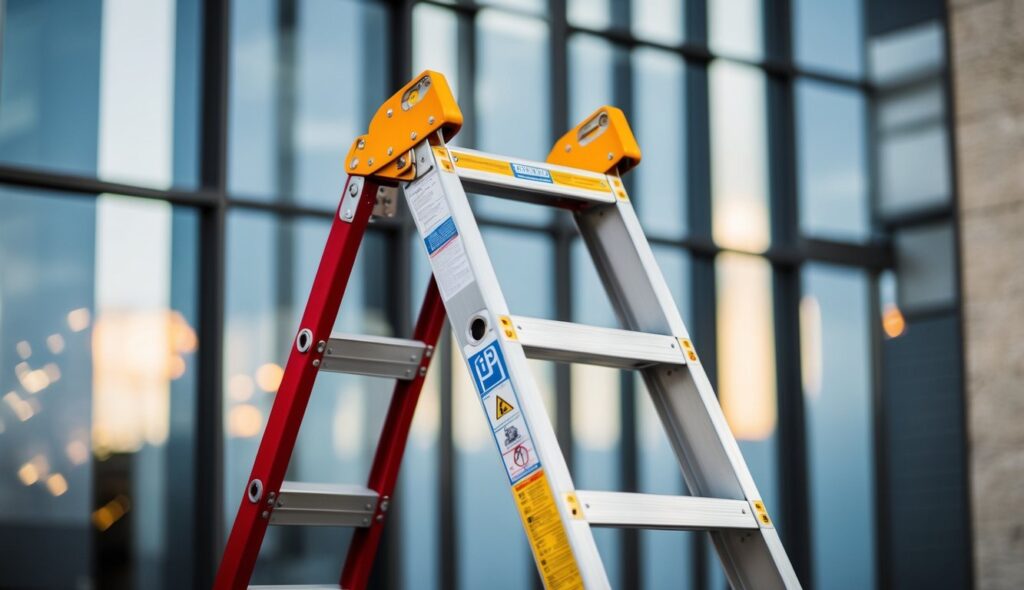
829	35
735	28
512	99
594	14
658	20
591	77
659	123
832	161
488	521
299	96
264	303
436	44
835	327
98	340
102	89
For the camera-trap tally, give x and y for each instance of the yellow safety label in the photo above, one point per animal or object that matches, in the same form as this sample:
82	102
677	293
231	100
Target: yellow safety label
501	407
442	157
507	328
579	181
762	514
472	162
688	350
546	534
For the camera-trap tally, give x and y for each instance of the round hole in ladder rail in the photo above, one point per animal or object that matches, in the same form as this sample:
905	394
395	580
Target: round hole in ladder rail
255	491
477	328
304	340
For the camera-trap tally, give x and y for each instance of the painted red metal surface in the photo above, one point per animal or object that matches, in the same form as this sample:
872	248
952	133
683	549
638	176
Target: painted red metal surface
293	395
391	446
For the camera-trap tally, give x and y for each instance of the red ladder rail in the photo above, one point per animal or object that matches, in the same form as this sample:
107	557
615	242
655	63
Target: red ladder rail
292	397
391	447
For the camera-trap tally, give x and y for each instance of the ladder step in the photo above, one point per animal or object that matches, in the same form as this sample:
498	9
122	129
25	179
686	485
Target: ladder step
575	343
651	511
376	356
323	504
530	182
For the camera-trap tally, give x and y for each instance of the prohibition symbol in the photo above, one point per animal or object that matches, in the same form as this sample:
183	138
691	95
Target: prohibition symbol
520	455
501	407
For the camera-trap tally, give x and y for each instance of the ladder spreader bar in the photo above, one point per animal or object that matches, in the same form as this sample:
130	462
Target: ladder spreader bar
652	511
575	343
320	504
528	181
376	356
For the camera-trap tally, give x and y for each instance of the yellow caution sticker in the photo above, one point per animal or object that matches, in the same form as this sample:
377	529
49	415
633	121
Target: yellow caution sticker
762	514
474	162
442	158
501	407
688	350
547	537
579	181
507	328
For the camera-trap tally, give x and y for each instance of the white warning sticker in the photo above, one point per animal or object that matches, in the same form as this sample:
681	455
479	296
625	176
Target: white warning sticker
508	425
444	245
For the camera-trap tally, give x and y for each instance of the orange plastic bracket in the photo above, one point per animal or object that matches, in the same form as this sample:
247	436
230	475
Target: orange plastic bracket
603	142
422	107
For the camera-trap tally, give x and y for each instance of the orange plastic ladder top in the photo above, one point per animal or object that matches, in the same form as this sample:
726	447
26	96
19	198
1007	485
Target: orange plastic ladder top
603	142
421	107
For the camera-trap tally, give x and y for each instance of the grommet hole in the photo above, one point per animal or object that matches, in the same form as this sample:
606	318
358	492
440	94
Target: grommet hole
477	328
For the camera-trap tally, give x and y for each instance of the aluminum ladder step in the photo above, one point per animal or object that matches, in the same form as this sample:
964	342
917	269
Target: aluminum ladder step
652	511
376	356
324	504
530	182
576	343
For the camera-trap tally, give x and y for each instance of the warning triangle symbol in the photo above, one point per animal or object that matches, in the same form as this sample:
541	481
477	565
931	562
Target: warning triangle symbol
501	407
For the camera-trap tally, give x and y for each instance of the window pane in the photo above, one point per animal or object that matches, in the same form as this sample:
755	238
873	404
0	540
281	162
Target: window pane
97	330
660	193
512	110
594	14
831	162
299	96
482	486
835	324
591	75
746	364
926	267
264	303
734	28
829	35
658	20
436	43
739	177
534	6
102	89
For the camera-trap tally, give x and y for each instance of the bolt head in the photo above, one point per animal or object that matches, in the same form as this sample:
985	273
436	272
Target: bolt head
354	163
361	144
353	189
430	120
347	214
370	162
568	148
412	135
610	155
391	150
390	112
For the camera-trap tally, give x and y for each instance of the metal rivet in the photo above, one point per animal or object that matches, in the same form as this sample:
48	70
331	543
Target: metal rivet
412	135
430	120
610	155
360	144
369	162
423	371
265	514
380	518
391	150
353	189
316	362
320	346
568	148
390	112
401	162
355	162
369	506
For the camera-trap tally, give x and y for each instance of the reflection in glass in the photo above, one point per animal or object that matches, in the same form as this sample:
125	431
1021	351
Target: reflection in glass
734	28
829	35
512	99
746	363
591	75
264	303
835	351
739	176
297	95
926	267
661	180
831	161
97	349
658	20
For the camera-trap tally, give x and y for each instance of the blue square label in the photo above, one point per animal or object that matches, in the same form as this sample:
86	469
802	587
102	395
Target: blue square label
488	368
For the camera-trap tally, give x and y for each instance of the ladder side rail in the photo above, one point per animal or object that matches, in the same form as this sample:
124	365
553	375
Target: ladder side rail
278	441
391	445
709	455
469	286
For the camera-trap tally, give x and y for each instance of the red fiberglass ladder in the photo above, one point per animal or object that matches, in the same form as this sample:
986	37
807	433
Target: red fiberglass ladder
406	145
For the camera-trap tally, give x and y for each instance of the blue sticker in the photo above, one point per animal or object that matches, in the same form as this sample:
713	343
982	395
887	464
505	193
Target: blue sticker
488	368
530	173
441	236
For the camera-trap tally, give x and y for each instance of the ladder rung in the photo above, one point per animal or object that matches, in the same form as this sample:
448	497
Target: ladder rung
376	356
575	343
323	504
622	509
532	182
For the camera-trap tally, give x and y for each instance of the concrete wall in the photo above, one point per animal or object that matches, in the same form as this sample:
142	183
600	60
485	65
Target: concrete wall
988	80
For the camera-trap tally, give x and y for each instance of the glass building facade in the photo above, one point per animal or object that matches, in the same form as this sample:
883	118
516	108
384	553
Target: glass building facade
169	170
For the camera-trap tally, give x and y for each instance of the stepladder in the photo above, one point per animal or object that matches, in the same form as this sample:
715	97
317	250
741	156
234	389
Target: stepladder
407	149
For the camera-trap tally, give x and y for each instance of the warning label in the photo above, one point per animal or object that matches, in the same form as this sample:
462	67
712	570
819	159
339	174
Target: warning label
444	245
502	407
546	534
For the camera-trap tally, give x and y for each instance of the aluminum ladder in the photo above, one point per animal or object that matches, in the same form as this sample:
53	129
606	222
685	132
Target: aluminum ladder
407	146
